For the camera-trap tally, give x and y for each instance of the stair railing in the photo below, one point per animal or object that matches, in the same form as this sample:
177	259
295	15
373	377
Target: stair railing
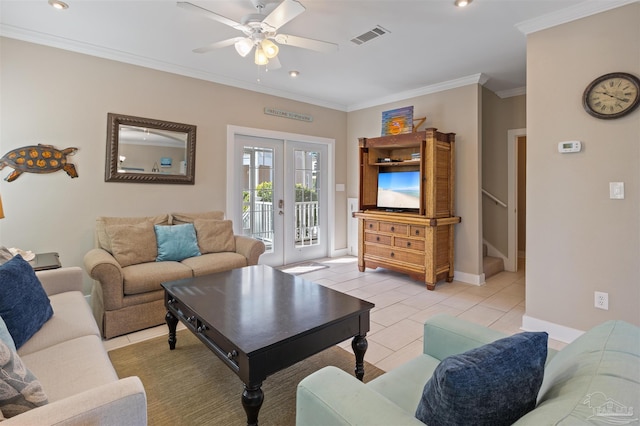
494	198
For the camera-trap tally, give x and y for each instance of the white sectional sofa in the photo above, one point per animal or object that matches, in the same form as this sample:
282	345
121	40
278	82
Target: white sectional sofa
68	357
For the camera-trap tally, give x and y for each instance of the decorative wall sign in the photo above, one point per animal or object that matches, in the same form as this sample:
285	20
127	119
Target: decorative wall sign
38	159
288	114
397	121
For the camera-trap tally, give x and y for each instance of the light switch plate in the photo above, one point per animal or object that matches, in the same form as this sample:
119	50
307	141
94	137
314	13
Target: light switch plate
616	190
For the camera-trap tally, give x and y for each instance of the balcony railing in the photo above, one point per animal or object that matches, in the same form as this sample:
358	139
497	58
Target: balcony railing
258	223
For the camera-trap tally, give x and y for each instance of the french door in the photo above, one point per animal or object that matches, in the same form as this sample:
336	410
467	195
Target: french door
280	196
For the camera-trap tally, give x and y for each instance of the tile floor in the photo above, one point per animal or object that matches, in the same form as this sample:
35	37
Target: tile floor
402	306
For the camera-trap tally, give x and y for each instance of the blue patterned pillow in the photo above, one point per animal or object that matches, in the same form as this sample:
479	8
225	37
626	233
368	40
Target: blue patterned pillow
492	385
176	242
24	305
19	389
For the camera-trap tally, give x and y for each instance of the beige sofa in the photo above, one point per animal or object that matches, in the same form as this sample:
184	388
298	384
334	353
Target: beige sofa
127	295
68	358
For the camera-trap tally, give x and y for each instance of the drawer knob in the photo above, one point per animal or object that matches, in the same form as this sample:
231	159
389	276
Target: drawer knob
408	243
417	232
377	238
371	225
393	228
392	254
232	354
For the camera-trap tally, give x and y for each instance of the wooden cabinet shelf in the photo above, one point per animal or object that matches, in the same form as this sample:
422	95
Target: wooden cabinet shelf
397	163
418	242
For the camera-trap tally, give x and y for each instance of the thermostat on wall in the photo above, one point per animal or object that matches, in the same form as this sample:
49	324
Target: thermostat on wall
569	146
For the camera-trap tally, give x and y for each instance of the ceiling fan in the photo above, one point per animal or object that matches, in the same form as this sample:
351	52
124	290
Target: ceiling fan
261	31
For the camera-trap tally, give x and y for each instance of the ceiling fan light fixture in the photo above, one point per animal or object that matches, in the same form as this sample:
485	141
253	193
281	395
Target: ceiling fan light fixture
244	46
269	48
260	58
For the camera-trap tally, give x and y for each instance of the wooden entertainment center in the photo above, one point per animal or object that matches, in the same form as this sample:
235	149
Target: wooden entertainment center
417	241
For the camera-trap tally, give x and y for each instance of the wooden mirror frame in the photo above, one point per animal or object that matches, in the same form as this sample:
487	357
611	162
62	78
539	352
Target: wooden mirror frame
114	121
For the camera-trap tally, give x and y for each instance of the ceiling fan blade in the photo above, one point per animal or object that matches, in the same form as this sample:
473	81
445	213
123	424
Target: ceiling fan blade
307	43
217	45
285	12
211	15
274	64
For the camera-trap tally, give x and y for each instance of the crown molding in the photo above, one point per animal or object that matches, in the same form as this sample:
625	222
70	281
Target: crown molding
35	37
502	94
578	11
421	91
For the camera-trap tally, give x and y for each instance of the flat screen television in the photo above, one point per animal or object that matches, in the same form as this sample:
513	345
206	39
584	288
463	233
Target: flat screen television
399	190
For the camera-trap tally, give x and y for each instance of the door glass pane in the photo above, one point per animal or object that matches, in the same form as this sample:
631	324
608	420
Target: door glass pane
307	194
257	194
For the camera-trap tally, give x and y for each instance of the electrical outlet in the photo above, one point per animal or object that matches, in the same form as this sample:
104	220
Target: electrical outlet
601	300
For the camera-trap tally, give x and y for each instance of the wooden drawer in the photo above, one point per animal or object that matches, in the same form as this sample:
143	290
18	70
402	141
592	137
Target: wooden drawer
394	228
417	231
371	225
409	243
395	254
181	311
377	238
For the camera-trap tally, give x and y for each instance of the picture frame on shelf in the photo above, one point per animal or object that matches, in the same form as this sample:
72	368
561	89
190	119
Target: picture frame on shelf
397	121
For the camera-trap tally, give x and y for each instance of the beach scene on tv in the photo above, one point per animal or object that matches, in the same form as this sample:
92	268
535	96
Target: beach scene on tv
399	190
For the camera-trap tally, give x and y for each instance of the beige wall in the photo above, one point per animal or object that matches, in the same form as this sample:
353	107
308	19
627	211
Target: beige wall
498	117
578	240
61	98
455	110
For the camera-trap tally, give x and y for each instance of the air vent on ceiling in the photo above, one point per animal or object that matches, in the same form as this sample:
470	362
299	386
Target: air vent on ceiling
369	35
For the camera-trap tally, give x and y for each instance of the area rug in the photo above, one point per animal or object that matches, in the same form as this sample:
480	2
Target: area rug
302	268
191	386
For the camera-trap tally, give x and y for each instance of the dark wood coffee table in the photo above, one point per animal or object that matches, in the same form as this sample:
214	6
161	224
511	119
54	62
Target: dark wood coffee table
259	320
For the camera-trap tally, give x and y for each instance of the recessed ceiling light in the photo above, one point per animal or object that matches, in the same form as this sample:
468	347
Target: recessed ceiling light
294	73
462	3
57	4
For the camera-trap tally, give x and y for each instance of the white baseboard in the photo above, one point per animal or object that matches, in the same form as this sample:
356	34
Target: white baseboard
556	331
469	278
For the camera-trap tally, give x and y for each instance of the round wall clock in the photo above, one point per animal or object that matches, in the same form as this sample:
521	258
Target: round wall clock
612	95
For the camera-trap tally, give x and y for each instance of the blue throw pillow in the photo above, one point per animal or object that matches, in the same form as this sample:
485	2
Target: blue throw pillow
176	242
492	385
24	305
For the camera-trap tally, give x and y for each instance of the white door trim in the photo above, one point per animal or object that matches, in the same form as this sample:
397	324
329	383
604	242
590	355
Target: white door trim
232	130
511	263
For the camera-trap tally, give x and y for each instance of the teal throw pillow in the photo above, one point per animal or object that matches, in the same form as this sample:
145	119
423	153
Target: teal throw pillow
176	242
19	389
24	305
492	385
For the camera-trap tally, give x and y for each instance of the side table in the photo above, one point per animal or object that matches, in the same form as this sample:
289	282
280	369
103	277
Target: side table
44	261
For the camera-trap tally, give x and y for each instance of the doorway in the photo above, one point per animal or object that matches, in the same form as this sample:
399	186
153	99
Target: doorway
278	191
517	189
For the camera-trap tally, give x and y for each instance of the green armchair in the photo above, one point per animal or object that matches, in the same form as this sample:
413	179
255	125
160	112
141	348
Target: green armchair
603	361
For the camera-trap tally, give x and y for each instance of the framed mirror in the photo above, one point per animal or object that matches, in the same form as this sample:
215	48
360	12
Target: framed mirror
145	150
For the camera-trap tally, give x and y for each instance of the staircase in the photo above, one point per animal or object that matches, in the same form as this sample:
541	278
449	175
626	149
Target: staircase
490	265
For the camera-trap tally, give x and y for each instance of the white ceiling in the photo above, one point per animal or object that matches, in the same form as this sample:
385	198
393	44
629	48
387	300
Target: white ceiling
431	44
